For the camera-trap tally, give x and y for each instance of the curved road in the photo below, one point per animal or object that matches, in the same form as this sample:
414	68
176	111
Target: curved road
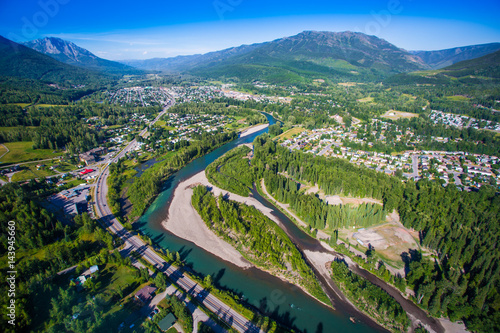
222	310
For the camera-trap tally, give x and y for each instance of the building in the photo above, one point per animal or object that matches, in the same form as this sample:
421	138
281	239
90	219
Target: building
90	156
167	322
145	294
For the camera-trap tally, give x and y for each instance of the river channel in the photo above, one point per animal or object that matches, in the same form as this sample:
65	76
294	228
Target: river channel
280	300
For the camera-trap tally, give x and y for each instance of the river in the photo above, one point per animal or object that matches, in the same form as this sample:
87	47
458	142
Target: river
282	301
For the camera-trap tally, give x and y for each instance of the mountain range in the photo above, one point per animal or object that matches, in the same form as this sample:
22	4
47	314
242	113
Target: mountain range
343	55
19	61
70	53
307	55
443	58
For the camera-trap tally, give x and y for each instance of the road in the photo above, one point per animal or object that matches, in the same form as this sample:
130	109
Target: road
414	174
6	149
223	311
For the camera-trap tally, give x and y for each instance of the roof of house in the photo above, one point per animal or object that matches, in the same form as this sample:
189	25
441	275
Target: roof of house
167	322
145	294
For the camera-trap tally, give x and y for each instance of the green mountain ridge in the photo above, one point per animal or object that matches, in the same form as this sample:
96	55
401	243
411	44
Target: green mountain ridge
485	69
442	58
314	54
19	61
307	55
71	54
182	63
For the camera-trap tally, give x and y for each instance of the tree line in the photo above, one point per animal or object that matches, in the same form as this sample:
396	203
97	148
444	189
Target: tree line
260	240
145	188
370	298
461	228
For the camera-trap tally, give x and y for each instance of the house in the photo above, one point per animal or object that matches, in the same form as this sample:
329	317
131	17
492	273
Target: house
167	322
87	158
145	294
90	156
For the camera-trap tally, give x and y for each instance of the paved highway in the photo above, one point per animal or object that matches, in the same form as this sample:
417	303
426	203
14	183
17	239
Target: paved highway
226	313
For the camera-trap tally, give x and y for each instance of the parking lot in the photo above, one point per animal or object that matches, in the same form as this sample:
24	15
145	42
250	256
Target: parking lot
72	201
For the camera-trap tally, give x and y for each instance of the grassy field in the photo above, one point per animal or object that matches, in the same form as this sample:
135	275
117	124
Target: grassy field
13	128
291	133
235	125
23	105
114	281
368	99
391	114
23	152
3	150
163	123
348	84
458	98
48	105
31	172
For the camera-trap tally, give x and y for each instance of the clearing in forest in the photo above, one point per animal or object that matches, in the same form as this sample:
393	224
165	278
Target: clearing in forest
291	133
392	114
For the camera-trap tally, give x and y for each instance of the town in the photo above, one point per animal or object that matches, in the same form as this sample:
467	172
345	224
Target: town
465	170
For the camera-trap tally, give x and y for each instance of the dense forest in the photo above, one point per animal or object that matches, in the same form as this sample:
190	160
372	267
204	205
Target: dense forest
462	228
145	188
73	126
370	299
43	246
260	240
232	171
317	213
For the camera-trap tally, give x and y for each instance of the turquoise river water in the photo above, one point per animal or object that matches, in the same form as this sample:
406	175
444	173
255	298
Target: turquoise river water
280	300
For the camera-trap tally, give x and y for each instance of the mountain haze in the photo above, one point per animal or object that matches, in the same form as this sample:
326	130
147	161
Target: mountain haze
182	63
19	61
73	54
443	58
485	69
310	54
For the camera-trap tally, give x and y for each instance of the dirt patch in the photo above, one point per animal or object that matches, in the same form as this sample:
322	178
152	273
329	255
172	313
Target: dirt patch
390	239
392	114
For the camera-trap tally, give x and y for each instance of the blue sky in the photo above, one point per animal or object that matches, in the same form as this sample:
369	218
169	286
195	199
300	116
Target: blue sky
150	28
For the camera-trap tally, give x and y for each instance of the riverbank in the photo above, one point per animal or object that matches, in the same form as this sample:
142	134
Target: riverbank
321	262
252	130
183	221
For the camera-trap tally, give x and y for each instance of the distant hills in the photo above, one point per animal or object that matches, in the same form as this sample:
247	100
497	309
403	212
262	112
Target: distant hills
310	54
485	66
443	58
19	61
72	54
485	69
183	63
337	56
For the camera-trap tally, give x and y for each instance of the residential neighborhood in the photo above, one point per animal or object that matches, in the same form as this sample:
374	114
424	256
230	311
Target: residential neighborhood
465	170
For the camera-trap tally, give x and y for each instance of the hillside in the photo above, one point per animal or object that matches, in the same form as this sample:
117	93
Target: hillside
308	55
443	58
313	54
485	69
182	63
19	61
72	54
